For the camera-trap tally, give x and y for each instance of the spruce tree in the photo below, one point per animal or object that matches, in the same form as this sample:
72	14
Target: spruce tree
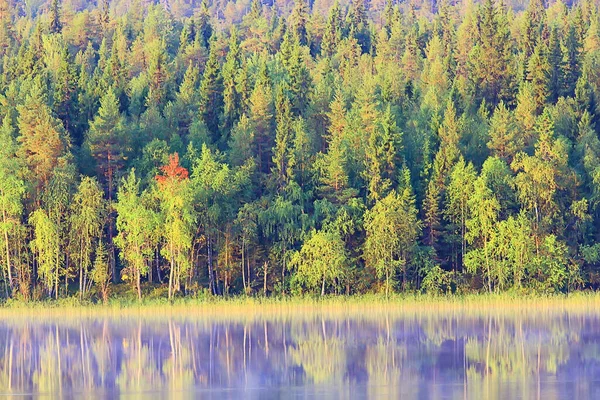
211	94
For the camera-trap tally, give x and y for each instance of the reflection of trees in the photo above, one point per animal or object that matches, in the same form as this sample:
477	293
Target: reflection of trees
472	356
383	362
322	359
138	370
178	369
47	377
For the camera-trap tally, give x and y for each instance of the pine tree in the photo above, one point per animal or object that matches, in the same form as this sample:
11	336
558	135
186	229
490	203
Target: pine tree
526	112
158	73
571	62
357	24
211	94
105	141
535	19
261	118
382	156
41	135
298	20
490	58
12	191
299	80
283	157
186	101
556	67
204	30
105	16
333	31
6	26
335	177
538	71
505	140
242	142
232	99
55	23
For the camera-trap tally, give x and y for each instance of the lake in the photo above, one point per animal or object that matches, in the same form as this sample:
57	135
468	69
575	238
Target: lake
428	355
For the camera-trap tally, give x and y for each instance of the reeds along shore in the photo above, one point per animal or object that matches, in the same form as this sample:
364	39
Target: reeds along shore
364	306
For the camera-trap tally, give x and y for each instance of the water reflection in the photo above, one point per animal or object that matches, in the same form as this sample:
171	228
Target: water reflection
420	357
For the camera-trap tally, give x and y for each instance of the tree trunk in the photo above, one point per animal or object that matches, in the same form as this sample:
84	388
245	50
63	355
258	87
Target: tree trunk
323	287
80	269
487	263
56	278
387	276
139	284
211	278
5	282
8	266
172	272
265	279
243	269
171	280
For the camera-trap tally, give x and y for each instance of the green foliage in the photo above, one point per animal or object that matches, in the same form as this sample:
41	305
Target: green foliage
46	246
441	149
135	223
100	274
322	260
88	214
392	229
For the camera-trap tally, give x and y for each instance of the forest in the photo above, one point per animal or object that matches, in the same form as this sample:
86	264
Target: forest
184	148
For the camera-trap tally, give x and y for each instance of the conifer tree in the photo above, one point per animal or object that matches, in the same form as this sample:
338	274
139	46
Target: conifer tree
572	51
204	29
12	191
298	20
538	73
211	94
490	58
55	23
6	25
556	67
232	99
41	136
283	157
333	31
505	140
262	119
106	141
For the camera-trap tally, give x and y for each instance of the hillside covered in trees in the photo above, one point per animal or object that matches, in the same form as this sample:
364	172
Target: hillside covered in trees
298	148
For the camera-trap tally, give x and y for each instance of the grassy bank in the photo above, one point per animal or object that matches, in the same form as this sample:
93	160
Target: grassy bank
365	305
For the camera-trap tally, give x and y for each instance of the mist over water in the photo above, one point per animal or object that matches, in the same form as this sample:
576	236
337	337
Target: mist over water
433	356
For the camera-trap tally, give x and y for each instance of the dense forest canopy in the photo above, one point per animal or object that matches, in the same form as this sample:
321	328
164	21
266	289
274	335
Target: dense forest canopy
290	148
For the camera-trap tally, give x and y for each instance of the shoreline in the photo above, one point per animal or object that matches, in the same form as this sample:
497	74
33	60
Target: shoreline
365	305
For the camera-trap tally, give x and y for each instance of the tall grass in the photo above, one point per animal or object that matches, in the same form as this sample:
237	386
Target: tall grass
274	307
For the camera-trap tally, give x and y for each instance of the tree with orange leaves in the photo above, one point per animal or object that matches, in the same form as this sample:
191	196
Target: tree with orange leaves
177	219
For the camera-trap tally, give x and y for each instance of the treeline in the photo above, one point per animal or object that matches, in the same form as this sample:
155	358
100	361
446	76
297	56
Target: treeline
368	150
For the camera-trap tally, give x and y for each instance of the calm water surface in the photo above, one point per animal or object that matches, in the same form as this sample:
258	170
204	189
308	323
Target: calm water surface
296	357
